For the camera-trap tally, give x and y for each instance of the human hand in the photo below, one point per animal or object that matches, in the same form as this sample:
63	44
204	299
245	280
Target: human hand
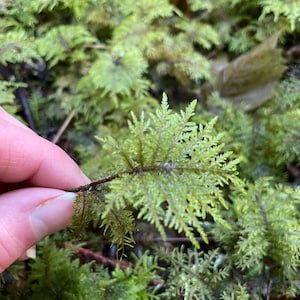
33	176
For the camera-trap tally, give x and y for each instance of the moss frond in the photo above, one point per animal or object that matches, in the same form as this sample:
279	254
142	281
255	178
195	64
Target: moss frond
171	170
265	239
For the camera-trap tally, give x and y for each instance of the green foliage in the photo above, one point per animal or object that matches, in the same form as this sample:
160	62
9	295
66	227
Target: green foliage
268	139
101	54
119	226
239	292
118	72
262	247
265	242
7	98
171	170
177	172
288	9
237	125
247	23
195	275
285	138
55	44
16	46
131	283
54	276
281	125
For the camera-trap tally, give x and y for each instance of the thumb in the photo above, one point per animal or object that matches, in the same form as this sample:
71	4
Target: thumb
27	215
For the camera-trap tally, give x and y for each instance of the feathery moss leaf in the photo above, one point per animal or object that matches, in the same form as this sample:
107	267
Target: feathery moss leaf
171	171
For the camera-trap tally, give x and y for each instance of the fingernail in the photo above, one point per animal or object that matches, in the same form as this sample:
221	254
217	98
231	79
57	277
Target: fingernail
52	215
31	252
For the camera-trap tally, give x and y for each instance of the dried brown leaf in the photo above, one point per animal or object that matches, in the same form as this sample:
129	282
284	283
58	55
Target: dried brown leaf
251	78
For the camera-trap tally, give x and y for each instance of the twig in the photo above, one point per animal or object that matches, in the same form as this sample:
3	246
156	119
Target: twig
176	240
63	127
20	94
163	167
269	289
99	258
8	75
262	210
94	184
95	46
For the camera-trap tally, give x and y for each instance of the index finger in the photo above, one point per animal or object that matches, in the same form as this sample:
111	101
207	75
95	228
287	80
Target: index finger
24	156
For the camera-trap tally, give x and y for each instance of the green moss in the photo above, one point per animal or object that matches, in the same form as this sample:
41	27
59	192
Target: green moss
215	173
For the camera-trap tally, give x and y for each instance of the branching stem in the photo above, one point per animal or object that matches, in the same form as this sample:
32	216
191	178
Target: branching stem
137	170
263	211
164	167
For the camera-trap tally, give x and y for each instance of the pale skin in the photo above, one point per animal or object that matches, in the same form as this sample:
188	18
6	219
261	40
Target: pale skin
34	175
